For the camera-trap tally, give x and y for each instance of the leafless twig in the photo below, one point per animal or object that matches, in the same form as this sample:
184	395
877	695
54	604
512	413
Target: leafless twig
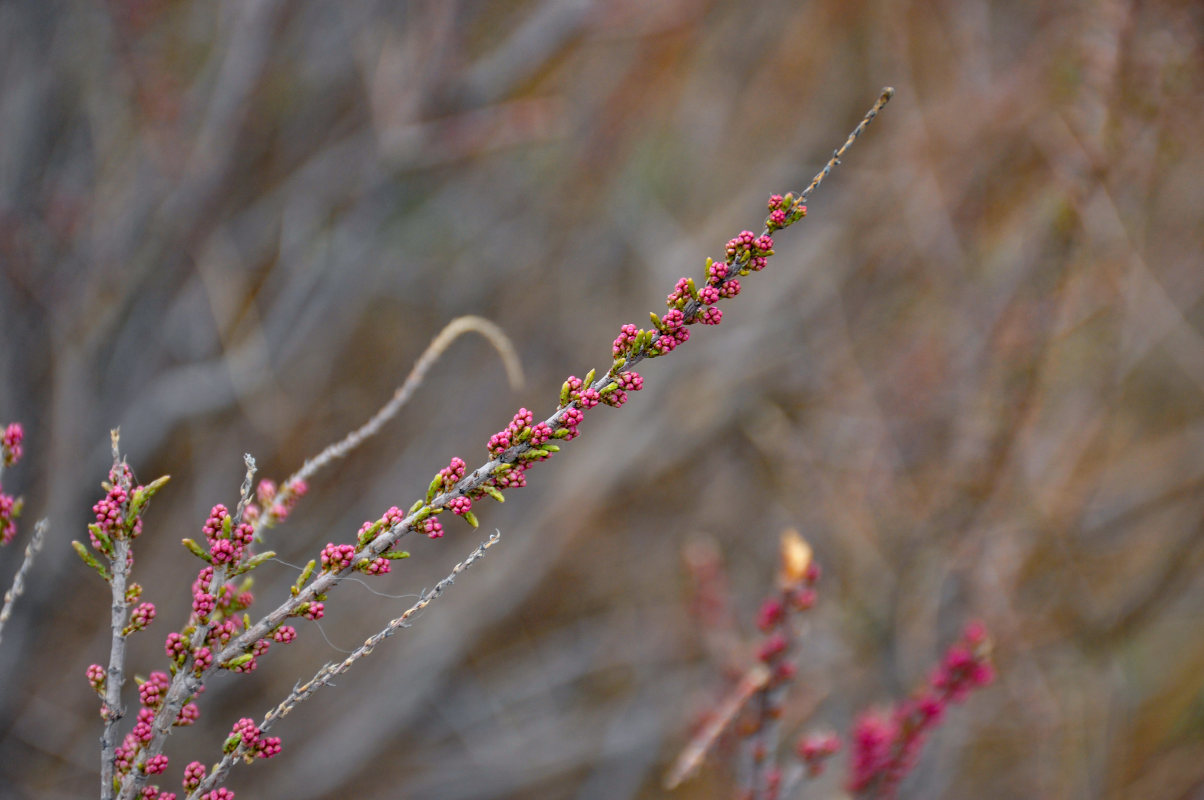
31	552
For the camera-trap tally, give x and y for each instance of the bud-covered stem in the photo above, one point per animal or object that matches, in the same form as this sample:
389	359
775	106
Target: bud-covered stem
119	569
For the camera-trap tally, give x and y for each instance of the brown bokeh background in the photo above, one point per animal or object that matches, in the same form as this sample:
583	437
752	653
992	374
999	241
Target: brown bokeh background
973	377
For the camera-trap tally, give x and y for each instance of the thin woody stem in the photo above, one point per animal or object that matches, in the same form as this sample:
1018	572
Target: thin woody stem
692	757
887	93
18	587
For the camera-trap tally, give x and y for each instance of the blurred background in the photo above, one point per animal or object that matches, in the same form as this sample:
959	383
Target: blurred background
973	377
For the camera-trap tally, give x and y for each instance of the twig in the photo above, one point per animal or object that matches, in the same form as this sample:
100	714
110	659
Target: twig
887	93
753	681
326	674
31	552
244	493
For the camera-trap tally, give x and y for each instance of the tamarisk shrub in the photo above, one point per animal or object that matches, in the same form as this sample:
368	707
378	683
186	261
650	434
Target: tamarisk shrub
220	633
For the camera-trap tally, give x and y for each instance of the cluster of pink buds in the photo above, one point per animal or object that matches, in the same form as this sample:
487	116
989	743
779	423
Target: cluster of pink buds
432	527
247	734
749	250
10	444
140	617
10	512
683	292
336	557
625	340
10	507
453	473
249	662
110	515
673	331
227	542
376	566
118	516
96	678
886	745
194	773
369	531
508	436
616	394
783	212
152	689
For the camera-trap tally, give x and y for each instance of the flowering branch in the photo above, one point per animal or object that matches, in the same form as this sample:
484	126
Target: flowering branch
885	746
212	638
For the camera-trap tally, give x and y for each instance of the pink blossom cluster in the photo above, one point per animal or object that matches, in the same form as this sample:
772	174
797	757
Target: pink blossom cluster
453	473
188	715
9	512
683	292
616	394
432	527
625	340
376	566
153	793
749	250
194	773
886	745
110	513
783	211
248	734
228	543
141	616
372	528
336	557
150	693
508	436
673	332
96	677
10	443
